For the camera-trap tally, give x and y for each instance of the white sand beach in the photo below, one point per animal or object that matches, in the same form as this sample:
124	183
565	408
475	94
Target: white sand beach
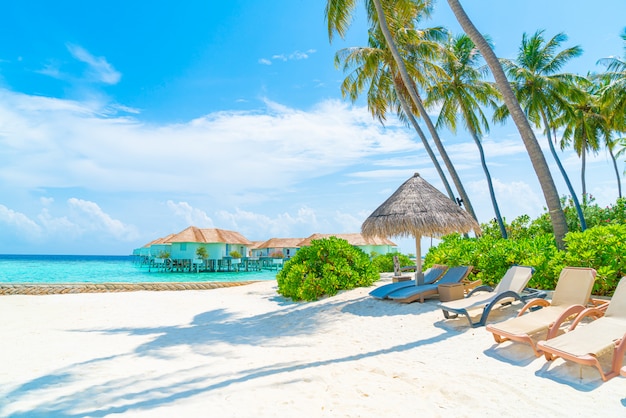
246	351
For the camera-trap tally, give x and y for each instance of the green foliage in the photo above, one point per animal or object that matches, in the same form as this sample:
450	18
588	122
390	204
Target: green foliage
202	253
235	254
163	254
602	247
384	262
325	267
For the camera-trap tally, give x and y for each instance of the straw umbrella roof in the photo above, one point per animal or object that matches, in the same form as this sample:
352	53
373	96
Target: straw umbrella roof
418	209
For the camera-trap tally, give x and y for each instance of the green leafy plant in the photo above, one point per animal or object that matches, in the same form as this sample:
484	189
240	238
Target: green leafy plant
235	254
384	262
601	246
163	254
325	267
202	253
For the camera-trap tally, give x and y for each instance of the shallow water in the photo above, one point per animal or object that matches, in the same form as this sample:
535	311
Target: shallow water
46	269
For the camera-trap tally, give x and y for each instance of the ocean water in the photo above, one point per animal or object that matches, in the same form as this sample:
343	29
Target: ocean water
46	269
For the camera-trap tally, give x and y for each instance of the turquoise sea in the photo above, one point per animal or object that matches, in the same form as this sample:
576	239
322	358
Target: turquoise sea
47	269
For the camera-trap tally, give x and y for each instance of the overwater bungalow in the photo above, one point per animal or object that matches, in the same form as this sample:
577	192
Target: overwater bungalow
370	246
198	249
278	248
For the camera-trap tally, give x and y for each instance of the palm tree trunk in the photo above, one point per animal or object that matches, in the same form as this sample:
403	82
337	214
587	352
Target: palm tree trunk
619	182
492	194
559	224
407	111
579	211
408	82
583	156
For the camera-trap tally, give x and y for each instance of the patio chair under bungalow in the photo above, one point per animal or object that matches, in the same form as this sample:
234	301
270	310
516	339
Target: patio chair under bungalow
377	245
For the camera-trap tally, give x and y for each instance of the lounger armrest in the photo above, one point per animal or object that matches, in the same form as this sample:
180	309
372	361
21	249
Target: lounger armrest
530	293
533	305
483	288
505	295
601	304
595	312
469	285
572	310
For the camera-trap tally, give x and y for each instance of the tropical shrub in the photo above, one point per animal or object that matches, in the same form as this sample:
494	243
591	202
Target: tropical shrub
235	254
384	262
325	267
601	246
202	253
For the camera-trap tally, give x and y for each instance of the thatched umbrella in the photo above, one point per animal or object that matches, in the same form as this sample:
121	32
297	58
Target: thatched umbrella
418	209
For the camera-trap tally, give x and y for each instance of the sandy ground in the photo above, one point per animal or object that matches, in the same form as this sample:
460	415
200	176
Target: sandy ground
246	351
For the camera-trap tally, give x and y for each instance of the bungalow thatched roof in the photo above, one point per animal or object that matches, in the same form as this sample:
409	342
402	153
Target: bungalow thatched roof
209	235
353	239
281	243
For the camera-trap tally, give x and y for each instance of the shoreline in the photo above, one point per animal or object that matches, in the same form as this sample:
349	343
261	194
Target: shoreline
66	288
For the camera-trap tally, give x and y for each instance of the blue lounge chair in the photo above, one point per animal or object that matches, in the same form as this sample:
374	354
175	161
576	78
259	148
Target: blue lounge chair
430	276
413	293
511	287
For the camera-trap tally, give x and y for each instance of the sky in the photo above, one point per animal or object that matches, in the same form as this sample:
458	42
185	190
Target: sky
122	122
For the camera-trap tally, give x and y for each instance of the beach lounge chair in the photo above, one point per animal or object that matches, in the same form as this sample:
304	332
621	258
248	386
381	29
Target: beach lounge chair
584	344
419	292
511	288
430	276
570	297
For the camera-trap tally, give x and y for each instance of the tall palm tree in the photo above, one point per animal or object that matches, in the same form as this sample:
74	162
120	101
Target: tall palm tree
559	223
373	68
465	92
613	101
542	90
585	124
338	15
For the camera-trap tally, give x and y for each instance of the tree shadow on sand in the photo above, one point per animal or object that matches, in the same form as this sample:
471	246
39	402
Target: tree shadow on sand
74	392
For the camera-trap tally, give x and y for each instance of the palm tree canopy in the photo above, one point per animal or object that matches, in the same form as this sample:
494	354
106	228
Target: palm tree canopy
535	78
418	209
462	90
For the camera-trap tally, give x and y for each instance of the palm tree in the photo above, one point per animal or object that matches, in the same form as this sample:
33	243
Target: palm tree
613	99
338	15
373	68
542	91
559	223
585	124
464	92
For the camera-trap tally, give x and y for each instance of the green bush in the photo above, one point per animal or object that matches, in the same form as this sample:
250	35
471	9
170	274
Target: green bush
325	267
601	246
384	262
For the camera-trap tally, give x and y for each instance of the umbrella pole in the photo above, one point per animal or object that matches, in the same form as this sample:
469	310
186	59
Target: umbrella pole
419	276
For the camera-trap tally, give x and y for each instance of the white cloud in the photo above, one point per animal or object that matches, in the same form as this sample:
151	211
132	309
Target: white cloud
292	56
234	152
98	68
83	219
191	215
19	223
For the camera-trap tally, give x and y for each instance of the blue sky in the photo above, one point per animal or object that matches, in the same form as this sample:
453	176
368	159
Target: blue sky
121	122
